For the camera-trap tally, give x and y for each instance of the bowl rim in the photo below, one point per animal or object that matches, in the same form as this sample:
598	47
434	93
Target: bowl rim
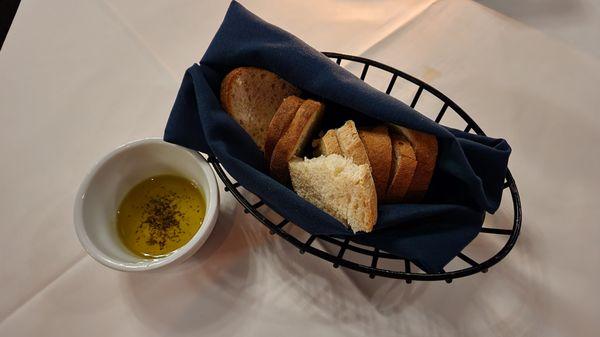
199	238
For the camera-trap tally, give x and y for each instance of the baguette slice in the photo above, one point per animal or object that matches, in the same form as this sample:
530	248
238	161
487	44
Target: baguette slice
378	145
295	138
351	145
403	168
251	96
339	187
280	123
426	151
328	144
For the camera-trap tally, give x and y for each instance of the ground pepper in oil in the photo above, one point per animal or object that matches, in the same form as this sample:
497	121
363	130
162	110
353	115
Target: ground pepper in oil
160	215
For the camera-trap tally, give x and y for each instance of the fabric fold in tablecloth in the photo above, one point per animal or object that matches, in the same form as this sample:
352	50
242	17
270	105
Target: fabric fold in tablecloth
469	173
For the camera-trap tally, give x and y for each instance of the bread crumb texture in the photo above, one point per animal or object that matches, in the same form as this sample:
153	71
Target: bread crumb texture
338	186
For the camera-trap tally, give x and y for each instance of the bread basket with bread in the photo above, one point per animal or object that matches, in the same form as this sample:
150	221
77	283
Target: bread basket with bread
349	165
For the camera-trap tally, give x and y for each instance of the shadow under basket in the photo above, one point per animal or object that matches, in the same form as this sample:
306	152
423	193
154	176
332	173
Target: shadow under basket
337	250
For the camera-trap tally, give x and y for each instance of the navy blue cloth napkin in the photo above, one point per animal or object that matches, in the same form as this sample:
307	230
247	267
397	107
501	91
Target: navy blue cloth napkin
469	173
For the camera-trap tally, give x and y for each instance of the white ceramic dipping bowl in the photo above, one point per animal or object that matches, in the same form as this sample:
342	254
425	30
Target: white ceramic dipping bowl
108	182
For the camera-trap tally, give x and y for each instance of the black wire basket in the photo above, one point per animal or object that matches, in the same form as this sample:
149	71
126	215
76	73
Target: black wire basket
405	269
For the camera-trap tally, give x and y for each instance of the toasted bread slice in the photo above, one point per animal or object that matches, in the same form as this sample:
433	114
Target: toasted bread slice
339	187
251	96
403	168
328	144
295	138
280	123
426	151
378	145
351	145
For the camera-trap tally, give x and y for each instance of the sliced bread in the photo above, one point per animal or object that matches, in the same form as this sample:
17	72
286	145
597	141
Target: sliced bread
351	145
328	144
404	163
378	145
251	96
339	187
280	123
295	138
426	151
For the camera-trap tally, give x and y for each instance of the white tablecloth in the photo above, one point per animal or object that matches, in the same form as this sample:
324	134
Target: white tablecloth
79	78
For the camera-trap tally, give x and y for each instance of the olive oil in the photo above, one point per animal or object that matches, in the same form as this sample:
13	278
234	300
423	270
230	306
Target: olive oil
160	215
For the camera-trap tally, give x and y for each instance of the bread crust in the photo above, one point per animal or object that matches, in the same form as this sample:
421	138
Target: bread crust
351	145
251	97
403	168
378	145
371	206
426	152
280	123
328	144
295	138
